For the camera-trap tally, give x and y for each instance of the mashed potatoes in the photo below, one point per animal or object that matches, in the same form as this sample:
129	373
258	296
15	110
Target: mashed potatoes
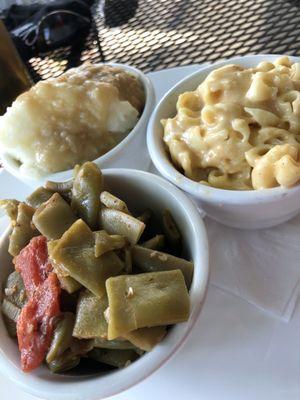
71	119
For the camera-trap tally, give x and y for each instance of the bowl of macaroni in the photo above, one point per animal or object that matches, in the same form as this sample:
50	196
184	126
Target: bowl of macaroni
229	135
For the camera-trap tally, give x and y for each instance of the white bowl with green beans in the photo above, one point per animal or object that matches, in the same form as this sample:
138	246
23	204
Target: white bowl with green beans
114	292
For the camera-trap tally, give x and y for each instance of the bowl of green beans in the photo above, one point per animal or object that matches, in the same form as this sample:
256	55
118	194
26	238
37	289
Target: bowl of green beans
103	279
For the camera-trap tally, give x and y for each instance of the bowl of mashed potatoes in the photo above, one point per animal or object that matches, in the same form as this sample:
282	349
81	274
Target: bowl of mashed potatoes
96	112
229	135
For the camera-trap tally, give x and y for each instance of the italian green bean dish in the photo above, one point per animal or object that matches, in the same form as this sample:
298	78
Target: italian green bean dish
91	283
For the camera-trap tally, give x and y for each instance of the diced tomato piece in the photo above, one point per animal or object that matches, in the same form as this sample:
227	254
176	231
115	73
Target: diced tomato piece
35	323
33	264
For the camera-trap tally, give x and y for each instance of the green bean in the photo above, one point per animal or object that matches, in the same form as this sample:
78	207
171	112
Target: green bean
59	187
117	222
58	268
145	216
86	191
115	358
127	260
155	243
10	310
152	260
39	196
170	230
76	169
62	336
68	360
63	188
81	346
51	244
14	289
90	321
146	338
111	201
10	326
67	283
23	231
53	217
65	350
105	242
11	208
75	253
146	300
113	344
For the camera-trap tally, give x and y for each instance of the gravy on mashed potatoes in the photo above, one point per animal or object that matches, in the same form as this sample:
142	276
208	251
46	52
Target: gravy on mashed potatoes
76	117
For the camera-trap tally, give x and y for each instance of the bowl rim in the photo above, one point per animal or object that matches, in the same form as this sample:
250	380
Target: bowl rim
11	165
152	361
160	158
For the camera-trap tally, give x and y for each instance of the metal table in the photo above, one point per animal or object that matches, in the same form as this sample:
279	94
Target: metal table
157	34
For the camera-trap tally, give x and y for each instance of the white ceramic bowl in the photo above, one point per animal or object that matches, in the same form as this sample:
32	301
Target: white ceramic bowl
140	190
241	209
131	152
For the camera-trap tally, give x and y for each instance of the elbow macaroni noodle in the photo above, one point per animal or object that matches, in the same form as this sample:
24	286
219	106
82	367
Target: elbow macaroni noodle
240	129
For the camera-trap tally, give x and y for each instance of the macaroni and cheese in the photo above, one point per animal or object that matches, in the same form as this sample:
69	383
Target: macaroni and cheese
240	129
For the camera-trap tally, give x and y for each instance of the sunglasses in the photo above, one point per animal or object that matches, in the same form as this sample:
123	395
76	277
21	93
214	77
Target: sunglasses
52	30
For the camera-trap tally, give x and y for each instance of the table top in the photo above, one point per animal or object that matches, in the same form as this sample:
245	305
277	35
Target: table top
236	351
153	35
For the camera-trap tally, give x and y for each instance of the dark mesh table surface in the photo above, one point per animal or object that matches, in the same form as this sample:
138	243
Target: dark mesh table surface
157	34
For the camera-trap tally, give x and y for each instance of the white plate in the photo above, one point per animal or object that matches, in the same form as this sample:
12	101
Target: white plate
235	352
